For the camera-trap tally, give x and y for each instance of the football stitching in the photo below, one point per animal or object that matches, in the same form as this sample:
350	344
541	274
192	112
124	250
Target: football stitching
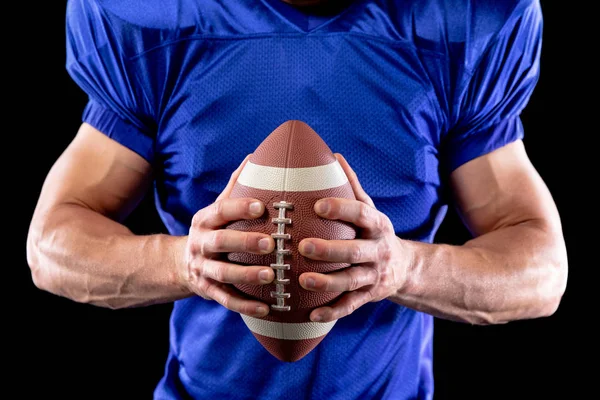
280	266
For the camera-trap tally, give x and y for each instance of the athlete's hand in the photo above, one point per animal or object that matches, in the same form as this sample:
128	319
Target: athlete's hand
379	261
206	273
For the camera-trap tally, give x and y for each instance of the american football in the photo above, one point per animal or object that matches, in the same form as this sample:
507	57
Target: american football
289	171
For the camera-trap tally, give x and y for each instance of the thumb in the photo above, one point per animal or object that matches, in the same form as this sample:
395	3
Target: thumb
233	179
359	192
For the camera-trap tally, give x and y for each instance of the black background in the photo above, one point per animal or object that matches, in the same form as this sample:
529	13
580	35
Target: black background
59	349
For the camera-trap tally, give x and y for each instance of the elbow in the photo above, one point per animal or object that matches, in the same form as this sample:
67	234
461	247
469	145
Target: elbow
550	286
553	287
44	251
553	274
543	301
37	260
548	273
39	276
47	253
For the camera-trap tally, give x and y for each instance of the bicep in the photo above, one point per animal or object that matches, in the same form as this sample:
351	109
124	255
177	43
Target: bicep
98	173
500	189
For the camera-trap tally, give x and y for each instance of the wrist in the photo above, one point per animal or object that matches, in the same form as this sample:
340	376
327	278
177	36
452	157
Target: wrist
176	246
410	260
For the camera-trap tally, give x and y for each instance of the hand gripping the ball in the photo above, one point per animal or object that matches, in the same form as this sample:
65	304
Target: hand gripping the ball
206	272
379	259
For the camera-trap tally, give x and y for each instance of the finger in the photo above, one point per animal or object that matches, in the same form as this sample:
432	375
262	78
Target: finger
355	212
225	272
233	179
345	306
346	280
229	298
227	210
355	251
354	182
229	241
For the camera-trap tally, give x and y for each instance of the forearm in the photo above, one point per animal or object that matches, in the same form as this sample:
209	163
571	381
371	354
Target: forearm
80	254
516	272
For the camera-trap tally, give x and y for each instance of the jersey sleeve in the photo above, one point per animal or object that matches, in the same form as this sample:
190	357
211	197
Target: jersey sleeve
495	92
117	105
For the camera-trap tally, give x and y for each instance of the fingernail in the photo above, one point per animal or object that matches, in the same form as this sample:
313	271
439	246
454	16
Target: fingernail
261	310
308	248
264	275
317	318
309	283
255	208
264	244
322	207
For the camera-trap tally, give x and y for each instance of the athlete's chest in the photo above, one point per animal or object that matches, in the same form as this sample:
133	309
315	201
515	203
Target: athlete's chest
355	92
368	100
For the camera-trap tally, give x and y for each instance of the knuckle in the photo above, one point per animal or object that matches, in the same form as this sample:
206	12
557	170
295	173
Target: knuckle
242	208
205	247
375	275
351	308
247	275
385	224
217	208
353	281
370	296
364	214
326	284
386	279
247	242
355	254
218	240
192	249
383	251
204	289
198	219
379	223
220	273
196	267
225	301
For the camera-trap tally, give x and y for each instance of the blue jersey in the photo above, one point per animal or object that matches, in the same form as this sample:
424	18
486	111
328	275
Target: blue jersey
407	91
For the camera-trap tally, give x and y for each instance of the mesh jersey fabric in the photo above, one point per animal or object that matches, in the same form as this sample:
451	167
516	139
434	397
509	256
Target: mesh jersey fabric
406	91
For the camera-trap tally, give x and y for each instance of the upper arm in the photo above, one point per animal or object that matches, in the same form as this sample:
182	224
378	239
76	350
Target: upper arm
502	188
98	173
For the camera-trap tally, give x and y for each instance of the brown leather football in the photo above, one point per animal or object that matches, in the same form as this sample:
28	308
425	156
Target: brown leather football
290	170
